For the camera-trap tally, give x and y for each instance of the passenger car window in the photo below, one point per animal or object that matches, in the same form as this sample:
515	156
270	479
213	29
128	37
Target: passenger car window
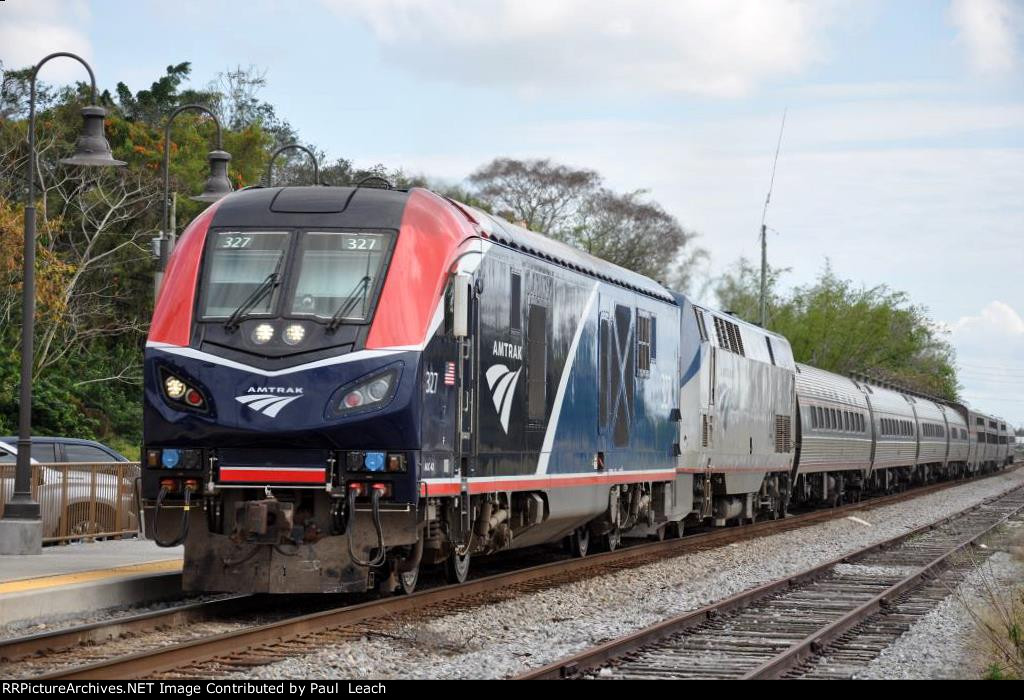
86	453
43	452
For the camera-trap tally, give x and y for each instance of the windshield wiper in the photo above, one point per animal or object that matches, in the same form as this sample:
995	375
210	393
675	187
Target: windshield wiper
269	282
361	288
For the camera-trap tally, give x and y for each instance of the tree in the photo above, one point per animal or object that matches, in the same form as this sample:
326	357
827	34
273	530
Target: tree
573	206
837	326
637	234
542	195
152	106
739	291
239	107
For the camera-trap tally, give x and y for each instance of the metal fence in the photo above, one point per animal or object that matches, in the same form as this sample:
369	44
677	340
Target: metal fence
81	500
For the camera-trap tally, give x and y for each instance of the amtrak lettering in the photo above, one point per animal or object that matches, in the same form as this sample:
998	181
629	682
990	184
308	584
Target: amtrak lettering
269	400
508	350
502	380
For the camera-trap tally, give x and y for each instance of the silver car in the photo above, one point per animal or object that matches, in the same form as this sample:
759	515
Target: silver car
77	500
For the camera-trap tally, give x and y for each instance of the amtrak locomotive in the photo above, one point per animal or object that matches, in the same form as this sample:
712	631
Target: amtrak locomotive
343	385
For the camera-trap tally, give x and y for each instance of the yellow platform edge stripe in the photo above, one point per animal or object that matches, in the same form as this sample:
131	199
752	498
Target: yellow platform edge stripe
30	584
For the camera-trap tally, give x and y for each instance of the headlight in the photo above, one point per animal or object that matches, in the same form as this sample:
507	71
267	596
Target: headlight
262	333
174	387
294	334
368	394
379	388
181	393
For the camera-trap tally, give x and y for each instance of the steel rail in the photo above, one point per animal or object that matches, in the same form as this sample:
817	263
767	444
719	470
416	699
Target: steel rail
617	648
235	642
812	644
16	648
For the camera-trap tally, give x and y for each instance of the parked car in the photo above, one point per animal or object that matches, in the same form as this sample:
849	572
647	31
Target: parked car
65	494
62	449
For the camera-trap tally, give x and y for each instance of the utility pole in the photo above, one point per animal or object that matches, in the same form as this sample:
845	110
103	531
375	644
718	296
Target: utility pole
764	230
764	275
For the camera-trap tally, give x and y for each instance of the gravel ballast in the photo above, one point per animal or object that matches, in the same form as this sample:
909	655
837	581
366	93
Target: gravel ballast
507	638
944	644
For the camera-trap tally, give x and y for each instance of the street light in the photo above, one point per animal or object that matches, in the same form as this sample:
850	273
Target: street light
292	146
21	530
217	184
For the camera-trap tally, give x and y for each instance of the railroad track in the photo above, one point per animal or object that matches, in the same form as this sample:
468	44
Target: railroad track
258	644
826	622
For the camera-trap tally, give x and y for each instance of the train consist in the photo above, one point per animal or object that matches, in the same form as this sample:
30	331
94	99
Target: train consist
343	385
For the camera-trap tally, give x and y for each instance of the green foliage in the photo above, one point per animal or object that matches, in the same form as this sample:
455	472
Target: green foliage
835	325
994	672
56	410
152	106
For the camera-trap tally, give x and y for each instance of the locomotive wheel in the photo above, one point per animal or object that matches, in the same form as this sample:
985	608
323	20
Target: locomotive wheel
610	541
579	542
407	580
674	530
659	534
456	568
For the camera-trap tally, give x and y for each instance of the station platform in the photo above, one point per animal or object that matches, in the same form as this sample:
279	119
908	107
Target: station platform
87	576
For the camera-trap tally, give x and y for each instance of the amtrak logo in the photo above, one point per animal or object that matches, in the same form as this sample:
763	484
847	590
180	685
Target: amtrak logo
269	400
502	383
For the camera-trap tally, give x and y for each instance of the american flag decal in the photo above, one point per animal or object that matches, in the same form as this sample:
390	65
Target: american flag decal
449	374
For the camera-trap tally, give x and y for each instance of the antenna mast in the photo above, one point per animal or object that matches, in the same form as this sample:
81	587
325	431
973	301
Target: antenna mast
764	229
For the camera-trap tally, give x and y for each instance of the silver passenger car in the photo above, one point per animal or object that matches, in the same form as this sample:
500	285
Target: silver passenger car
835	427
933	434
1003	454
894	426
959	438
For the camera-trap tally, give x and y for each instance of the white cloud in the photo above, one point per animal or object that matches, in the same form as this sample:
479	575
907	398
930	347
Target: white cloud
998	320
991	31
721	48
990	355
33	29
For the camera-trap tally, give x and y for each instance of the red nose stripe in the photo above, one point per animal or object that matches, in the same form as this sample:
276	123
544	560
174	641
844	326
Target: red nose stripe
431	233
172	317
275	475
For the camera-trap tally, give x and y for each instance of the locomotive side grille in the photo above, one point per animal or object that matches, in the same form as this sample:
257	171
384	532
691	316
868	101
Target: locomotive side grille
783	434
723	335
737	339
705	430
729	337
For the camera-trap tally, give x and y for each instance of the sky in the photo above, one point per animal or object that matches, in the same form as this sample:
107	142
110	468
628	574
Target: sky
902	160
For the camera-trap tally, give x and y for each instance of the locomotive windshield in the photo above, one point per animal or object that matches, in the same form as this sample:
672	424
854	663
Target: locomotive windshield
337	273
329	275
238	263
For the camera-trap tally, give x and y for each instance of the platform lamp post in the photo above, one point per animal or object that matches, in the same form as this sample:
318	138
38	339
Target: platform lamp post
21	529
292	147
217	184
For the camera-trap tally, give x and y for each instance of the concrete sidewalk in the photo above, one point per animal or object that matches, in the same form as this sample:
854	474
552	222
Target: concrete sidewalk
87	576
